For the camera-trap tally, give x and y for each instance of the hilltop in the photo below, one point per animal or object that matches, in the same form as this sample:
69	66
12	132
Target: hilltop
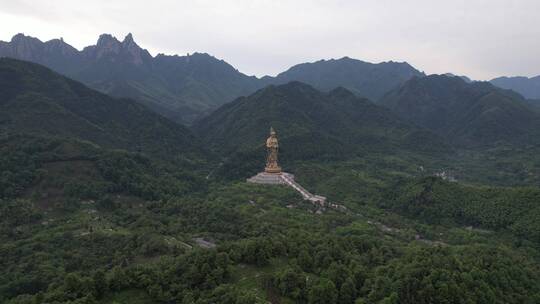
469	114
362	78
35	100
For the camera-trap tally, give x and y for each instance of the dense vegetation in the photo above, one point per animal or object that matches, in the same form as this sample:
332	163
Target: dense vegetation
116	230
326	127
302	115
312	126
82	221
35	100
106	252
436	201
362	78
43	167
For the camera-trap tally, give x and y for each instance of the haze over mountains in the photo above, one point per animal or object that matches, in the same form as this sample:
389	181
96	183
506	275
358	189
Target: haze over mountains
362	78
185	87
179	87
528	87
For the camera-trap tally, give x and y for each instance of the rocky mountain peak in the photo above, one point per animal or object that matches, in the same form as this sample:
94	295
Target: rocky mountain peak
61	47
128	39
107	44
107	39
25	47
20	37
138	54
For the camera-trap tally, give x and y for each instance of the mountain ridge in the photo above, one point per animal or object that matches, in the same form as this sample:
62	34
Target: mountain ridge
365	79
184	88
471	114
529	87
311	125
123	69
36	100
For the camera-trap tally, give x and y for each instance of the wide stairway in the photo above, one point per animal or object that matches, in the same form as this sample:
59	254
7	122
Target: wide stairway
305	194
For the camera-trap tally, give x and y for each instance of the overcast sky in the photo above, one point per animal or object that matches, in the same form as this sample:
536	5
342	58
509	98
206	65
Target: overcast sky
478	38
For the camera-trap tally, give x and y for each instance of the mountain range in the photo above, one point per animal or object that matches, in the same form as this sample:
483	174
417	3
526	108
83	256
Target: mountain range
362	78
311	125
468	114
184	88
528	87
178	87
431	182
337	121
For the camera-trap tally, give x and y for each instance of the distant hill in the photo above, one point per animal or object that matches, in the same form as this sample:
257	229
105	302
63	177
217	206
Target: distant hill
433	200
469	114
179	87
183	88
528	87
36	100
362	78
465	78
311	125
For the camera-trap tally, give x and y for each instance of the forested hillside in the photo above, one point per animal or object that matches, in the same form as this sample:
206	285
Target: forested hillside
104	201
469	114
435	201
137	251
184	88
36	100
312	125
364	79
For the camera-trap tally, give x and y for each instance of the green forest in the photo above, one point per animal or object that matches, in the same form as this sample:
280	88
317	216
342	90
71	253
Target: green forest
85	225
102	205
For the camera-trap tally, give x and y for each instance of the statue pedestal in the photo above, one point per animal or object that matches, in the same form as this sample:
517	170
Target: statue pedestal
269	178
286	179
273	170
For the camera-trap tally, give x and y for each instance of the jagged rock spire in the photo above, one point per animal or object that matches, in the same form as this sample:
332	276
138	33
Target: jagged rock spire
128	38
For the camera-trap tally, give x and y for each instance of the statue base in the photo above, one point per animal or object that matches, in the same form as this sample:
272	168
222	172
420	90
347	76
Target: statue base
270	178
272	170
287	179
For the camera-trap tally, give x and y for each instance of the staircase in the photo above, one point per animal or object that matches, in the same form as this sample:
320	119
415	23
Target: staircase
285	178
305	194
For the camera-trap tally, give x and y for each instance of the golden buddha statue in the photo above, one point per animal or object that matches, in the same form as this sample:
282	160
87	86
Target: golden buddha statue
272	147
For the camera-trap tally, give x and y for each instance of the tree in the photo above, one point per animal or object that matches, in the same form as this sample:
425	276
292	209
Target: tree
291	282
337	273
324	292
347	292
100	283
305	260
